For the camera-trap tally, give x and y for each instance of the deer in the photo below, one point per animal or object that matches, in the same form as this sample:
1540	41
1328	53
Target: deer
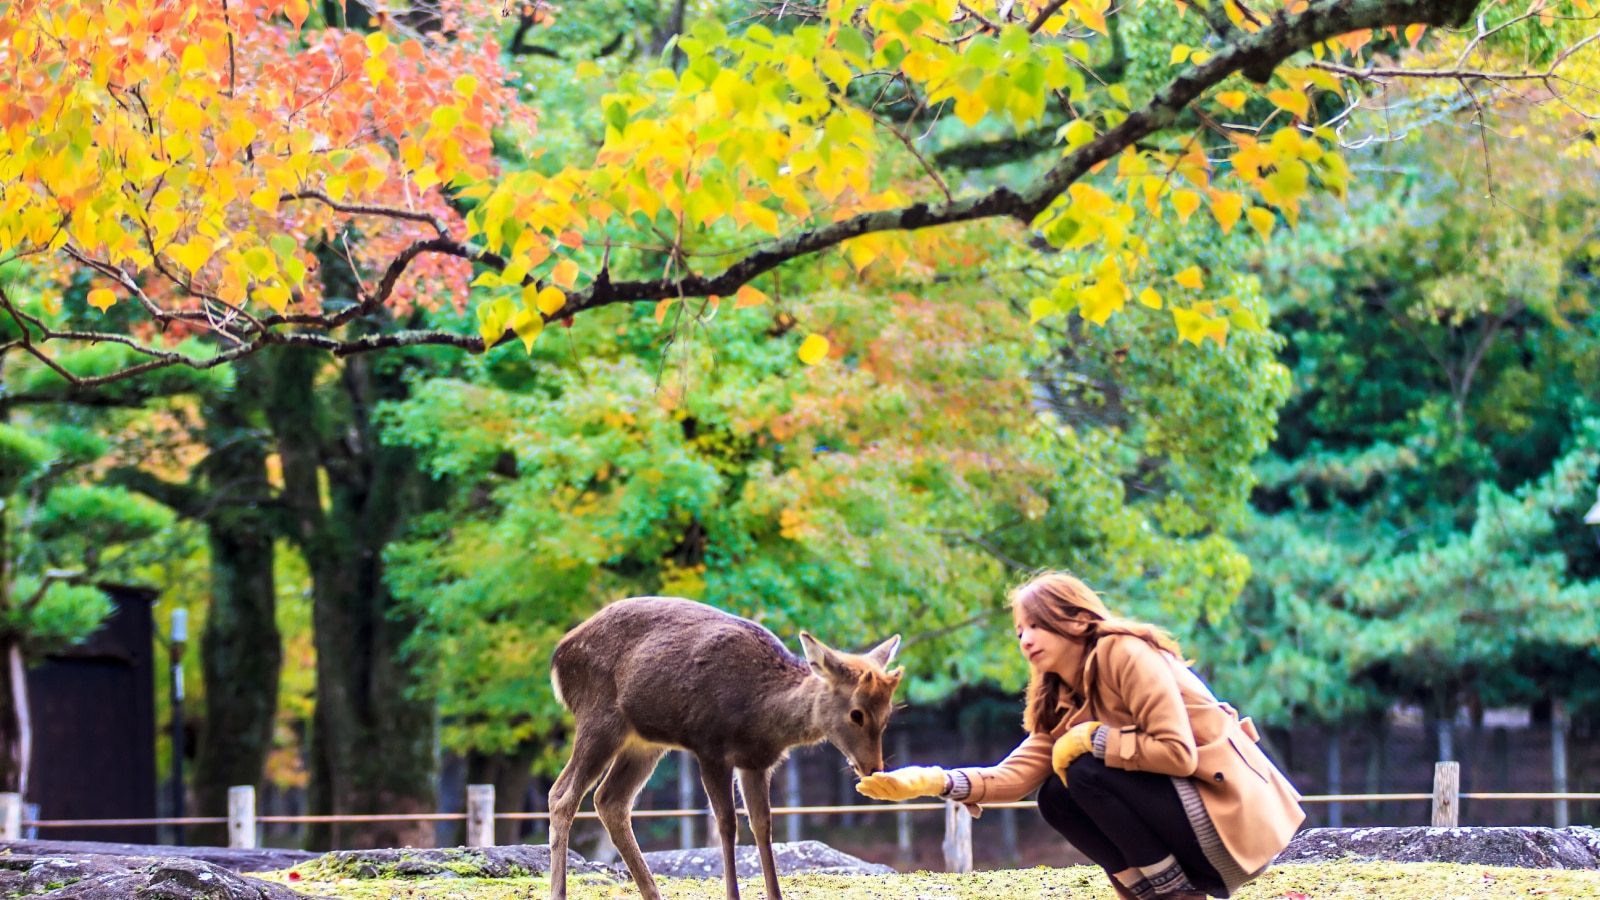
649	674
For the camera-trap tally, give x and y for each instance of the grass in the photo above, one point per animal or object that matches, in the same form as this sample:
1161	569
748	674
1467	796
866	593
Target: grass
1326	881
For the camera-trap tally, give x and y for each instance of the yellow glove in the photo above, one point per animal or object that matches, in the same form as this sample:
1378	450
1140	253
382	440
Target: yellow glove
1078	740
904	784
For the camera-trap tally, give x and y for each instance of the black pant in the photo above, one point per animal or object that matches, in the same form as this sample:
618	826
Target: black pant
1123	820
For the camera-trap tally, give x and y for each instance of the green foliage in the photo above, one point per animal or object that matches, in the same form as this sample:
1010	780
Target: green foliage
21	457
89	517
1418	534
62	614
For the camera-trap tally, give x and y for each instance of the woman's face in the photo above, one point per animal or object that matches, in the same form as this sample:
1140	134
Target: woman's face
1045	650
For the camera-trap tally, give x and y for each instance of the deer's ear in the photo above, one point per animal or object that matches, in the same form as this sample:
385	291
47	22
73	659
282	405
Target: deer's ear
884	653
824	661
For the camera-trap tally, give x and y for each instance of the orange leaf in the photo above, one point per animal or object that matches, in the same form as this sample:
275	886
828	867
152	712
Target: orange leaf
661	309
1190	278
565	273
748	296
102	299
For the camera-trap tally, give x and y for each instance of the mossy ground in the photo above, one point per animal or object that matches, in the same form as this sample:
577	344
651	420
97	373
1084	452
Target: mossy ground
1332	881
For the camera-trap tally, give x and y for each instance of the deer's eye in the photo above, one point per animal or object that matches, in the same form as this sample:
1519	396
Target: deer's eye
857	717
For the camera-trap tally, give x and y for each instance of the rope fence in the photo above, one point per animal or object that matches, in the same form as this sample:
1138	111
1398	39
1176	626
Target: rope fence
480	816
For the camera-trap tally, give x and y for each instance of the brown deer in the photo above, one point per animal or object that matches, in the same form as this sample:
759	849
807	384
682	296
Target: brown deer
648	674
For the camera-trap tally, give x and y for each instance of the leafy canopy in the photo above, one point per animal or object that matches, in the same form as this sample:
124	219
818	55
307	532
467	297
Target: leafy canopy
188	153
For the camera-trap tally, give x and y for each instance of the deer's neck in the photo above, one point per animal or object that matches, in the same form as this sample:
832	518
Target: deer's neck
797	710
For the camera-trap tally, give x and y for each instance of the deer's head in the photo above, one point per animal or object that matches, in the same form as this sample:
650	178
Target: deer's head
858	694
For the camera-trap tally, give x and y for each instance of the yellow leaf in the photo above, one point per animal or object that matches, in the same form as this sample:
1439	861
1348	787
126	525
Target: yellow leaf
527	324
297	10
275	295
194	60
814	349
466	85
1077	133
1414	33
1227	208
550	300
493	317
1185	202
1097	302
1190	278
377	42
1293	101
1192	326
1246	320
102	299
266	199
193	254
1233	100
1039	308
1180	53
1262	220
565	273
748	296
1150	298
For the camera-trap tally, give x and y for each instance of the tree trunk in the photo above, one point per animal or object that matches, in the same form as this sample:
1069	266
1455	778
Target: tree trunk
18	721
241	652
372	734
15	721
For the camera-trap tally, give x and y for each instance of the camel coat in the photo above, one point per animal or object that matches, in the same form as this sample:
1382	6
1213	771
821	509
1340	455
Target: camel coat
1162	718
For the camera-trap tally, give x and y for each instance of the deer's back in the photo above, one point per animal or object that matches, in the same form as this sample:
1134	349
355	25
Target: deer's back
677	672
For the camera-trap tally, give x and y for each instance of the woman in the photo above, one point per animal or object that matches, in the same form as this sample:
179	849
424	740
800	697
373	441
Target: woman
1136	762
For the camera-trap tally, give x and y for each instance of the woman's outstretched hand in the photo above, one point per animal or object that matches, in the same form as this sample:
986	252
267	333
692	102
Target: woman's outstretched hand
904	783
1078	740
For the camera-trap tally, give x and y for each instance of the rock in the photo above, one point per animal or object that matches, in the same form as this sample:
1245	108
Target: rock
801	857
93	877
264	860
1522	847
453	862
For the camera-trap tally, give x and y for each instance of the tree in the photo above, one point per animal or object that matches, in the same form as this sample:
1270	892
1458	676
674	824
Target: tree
187	178
901	487
57	534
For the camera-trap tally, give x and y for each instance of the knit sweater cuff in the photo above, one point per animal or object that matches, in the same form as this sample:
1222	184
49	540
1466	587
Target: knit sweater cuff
960	786
1100	735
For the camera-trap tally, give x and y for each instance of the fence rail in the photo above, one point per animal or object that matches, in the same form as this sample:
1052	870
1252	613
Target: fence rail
480	816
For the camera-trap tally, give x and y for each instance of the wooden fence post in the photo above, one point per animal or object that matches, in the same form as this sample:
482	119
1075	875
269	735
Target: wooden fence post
957	837
10	817
1558	759
480	815
1446	794
242	817
686	800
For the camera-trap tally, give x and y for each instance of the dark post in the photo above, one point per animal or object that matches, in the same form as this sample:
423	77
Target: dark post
180	636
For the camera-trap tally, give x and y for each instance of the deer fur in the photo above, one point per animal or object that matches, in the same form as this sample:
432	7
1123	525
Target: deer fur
649	674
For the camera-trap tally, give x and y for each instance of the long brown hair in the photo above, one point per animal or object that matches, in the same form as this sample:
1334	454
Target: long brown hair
1052	601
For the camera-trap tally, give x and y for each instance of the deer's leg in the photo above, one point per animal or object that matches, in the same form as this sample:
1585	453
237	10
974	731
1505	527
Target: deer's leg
756	785
596	742
717	778
614	802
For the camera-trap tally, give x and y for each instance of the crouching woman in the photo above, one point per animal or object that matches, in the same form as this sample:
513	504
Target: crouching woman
1137	763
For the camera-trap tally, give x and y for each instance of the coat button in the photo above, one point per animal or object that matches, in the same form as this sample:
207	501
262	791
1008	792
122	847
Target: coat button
1217	777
